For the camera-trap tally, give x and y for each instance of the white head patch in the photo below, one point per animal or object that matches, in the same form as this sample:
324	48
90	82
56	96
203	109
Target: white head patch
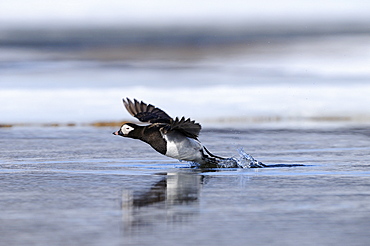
125	129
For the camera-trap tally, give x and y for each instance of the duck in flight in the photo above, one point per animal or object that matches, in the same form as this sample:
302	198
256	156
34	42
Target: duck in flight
176	138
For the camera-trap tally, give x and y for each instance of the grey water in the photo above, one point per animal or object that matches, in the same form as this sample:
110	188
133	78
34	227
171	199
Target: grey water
84	186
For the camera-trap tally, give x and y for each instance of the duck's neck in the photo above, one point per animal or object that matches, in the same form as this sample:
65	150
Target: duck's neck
154	138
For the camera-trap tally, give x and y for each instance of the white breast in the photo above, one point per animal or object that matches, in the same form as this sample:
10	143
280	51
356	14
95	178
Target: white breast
183	148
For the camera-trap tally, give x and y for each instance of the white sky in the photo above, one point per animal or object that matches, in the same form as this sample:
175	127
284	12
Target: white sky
124	12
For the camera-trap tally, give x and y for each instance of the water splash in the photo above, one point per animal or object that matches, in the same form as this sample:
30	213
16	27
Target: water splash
247	161
244	161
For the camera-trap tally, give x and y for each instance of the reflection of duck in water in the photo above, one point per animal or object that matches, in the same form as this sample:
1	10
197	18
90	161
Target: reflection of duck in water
163	201
175	188
176	138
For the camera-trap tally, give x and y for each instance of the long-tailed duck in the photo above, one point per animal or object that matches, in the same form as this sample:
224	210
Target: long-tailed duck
176	138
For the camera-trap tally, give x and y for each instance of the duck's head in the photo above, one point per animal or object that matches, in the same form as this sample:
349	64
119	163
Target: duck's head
127	130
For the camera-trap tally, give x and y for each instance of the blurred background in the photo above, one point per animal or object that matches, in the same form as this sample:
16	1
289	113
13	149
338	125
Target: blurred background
291	63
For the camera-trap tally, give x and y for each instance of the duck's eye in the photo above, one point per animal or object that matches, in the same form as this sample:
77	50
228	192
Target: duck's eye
126	129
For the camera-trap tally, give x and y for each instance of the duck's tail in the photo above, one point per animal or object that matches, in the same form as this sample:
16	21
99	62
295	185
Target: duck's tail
214	161
212	155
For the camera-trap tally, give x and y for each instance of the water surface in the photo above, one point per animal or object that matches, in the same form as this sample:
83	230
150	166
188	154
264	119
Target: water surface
84	186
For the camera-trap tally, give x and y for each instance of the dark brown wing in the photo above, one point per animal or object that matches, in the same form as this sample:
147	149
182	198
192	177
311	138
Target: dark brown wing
187	127
146	112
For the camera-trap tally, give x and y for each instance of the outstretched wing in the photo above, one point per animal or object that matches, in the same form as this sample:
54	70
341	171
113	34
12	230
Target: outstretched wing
146	112
187	127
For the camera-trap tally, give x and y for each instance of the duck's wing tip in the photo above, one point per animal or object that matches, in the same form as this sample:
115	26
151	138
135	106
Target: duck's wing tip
186	126
146	112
